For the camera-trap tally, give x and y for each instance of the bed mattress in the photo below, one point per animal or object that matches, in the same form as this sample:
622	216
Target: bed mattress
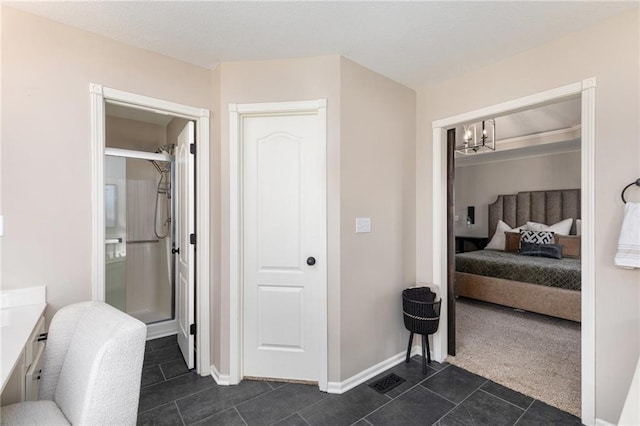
561	273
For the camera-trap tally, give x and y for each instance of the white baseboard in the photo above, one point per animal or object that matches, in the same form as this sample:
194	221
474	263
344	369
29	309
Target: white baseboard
351	382
162	329
220	379
600	422
363	376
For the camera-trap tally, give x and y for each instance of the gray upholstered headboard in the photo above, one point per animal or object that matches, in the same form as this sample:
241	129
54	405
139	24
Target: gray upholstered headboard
547	207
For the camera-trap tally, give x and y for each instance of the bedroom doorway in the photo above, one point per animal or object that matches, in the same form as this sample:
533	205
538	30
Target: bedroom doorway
444	217
531	176
517	314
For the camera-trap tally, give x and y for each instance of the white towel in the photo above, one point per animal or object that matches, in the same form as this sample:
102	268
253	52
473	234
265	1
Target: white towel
628	255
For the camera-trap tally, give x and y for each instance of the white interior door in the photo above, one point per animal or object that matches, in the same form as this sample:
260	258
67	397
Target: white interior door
185	218
284	245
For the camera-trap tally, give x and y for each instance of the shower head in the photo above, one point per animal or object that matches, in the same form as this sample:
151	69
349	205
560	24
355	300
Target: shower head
165	149
168	149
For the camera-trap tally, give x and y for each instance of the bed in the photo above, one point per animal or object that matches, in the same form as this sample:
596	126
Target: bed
535	284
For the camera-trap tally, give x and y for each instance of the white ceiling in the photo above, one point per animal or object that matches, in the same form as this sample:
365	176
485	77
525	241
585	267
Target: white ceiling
415	43
558	116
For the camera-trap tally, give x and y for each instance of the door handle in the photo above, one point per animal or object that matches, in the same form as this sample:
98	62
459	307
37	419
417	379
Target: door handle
311	261
175	250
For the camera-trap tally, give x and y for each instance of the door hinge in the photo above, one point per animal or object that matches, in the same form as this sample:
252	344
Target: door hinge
192	239
192	329
192	148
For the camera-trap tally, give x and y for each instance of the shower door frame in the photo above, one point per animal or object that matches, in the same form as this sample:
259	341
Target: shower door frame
101	95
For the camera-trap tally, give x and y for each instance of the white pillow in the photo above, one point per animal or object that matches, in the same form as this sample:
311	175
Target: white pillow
578	227
561	228
499	240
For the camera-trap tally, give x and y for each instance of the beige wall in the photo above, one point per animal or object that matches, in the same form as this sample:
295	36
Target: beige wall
479	185
608	51
377	180
46	153
132	134
175	126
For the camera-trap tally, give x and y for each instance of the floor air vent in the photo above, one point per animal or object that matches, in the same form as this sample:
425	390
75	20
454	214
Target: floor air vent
387	383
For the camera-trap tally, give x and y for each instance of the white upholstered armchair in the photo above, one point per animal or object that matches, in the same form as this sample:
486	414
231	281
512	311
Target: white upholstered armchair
91	370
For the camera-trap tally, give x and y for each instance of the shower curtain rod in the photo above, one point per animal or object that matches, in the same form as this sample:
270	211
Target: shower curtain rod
128	153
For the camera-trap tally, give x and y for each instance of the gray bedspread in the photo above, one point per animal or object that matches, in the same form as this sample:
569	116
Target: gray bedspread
562	273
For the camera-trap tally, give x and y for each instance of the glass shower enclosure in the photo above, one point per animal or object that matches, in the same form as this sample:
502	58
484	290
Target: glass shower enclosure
139	234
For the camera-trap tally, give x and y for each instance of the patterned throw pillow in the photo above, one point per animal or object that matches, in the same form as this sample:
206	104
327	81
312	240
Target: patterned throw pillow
552	251
536	237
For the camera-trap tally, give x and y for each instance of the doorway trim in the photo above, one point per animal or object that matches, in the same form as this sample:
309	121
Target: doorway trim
586	90
236	113
99	95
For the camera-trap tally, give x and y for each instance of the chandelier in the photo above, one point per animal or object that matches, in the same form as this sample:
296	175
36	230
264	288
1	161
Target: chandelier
472	143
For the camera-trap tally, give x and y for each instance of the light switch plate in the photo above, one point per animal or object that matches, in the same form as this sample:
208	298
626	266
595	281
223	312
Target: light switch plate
363	224
1	226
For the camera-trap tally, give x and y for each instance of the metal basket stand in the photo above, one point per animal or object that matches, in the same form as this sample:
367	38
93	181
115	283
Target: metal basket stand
421	314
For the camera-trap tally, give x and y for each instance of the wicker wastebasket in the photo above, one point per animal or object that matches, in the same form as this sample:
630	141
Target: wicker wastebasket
421	312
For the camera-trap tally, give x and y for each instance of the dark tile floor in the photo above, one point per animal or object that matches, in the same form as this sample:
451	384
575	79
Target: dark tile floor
446	395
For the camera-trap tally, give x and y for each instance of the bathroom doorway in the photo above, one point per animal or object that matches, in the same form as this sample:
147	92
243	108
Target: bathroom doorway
149	218
151	238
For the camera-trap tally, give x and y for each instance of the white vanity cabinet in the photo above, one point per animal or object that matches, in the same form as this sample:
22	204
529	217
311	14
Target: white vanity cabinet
22	334
33	361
